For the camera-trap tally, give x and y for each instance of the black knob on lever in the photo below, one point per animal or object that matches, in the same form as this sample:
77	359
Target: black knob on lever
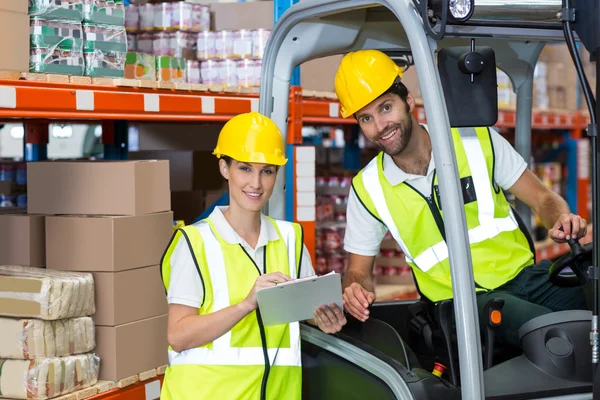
576	247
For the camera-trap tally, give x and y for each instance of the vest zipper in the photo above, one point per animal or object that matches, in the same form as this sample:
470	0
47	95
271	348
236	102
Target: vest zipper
439	221
263	334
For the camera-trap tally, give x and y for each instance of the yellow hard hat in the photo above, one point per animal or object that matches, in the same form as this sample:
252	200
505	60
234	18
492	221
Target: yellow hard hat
362	77
251	138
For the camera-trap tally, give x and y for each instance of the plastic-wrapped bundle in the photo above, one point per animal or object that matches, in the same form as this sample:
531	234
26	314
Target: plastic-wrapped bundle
110	12
105	50
45	378
170	69
45	294
28	339
57	9
56	46
140	66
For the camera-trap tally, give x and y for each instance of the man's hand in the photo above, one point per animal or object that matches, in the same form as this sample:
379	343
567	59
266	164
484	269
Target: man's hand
330	319
573	226
357	301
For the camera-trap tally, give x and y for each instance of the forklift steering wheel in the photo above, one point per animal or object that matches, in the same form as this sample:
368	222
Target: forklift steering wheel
577	261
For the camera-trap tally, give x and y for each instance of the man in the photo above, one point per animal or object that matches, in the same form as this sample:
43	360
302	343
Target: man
397	191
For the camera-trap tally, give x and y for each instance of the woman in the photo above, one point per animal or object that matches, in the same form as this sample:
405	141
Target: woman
219	348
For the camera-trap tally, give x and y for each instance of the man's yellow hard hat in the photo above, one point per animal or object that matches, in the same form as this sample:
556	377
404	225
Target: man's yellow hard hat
362	77
251	138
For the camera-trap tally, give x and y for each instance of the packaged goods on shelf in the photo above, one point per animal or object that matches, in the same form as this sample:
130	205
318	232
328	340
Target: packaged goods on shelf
224	44
56	46
48	377
146	15
145	43
30	339
242	43
30	292
140	66
257	72
175	44
109	12
259	42
132	42
209	71
228	73
170	69
245	70
179	16
105	49
132	18
206	45
192	72
57	9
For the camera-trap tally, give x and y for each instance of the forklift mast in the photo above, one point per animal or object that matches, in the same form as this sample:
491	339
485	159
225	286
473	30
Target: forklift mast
516	31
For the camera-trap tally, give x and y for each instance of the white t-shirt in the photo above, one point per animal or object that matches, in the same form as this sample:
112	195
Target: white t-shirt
364	232
185	285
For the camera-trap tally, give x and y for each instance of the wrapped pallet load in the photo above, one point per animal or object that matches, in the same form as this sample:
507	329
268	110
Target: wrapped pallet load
46	332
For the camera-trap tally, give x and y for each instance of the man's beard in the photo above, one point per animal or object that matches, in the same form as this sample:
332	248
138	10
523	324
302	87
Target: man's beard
400	141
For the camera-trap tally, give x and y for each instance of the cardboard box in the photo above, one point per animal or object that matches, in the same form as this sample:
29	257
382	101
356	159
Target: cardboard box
14	29
189	170
98	187
232	16
187	205
107	243
22	240
117	304
130	349
16	6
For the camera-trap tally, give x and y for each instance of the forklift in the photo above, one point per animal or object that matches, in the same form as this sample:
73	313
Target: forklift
455	46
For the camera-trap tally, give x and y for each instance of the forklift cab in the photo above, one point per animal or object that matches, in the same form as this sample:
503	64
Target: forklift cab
455	52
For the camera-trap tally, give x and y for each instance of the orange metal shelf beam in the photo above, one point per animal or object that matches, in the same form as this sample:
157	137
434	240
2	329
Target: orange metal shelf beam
147	390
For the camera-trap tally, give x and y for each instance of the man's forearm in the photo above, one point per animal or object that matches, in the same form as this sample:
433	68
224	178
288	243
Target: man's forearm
363	278
551	208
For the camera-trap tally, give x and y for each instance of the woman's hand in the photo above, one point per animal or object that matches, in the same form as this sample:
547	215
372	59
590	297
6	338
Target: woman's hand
330	319
263	281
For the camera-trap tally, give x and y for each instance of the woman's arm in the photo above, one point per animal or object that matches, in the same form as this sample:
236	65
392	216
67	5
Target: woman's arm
187	329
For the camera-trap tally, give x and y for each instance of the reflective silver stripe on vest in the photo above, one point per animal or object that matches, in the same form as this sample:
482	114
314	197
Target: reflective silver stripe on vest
222	353
374	189
488	226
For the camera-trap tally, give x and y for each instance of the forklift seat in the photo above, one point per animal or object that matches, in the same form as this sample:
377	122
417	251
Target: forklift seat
432	325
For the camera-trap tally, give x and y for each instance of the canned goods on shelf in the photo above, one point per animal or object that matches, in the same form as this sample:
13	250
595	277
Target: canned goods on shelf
145	43
163	16
132	18
7	172
224	44
192	71
245	72
131	42
22	201
259	42
206	43
182	16
179	43
227	73
209	71
161	43
201	17
146	15
8	200
257	72
242	43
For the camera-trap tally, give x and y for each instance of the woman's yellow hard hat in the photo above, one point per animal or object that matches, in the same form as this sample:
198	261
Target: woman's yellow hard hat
251	138
362	77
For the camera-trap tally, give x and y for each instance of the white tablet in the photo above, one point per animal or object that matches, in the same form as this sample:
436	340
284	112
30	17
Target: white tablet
297	300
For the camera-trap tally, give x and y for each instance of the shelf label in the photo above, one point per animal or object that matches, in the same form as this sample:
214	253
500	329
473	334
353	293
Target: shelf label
208	105
151	102
8	97
334	110
153	390
254	105
84	100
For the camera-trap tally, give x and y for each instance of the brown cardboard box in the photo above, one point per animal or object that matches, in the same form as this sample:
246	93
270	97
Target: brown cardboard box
16	6
319	74
14	28
130	349
117	304
232	16
22	240
187	205
98	187
107	243
188	170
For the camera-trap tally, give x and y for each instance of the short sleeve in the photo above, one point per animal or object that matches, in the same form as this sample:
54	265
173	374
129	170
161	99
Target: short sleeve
364	232
508	163
306	266
185	286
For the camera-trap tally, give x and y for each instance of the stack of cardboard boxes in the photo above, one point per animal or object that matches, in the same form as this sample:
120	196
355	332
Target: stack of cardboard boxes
112	219
14	31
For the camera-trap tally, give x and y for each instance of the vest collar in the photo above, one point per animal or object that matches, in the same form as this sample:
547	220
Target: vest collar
268	233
